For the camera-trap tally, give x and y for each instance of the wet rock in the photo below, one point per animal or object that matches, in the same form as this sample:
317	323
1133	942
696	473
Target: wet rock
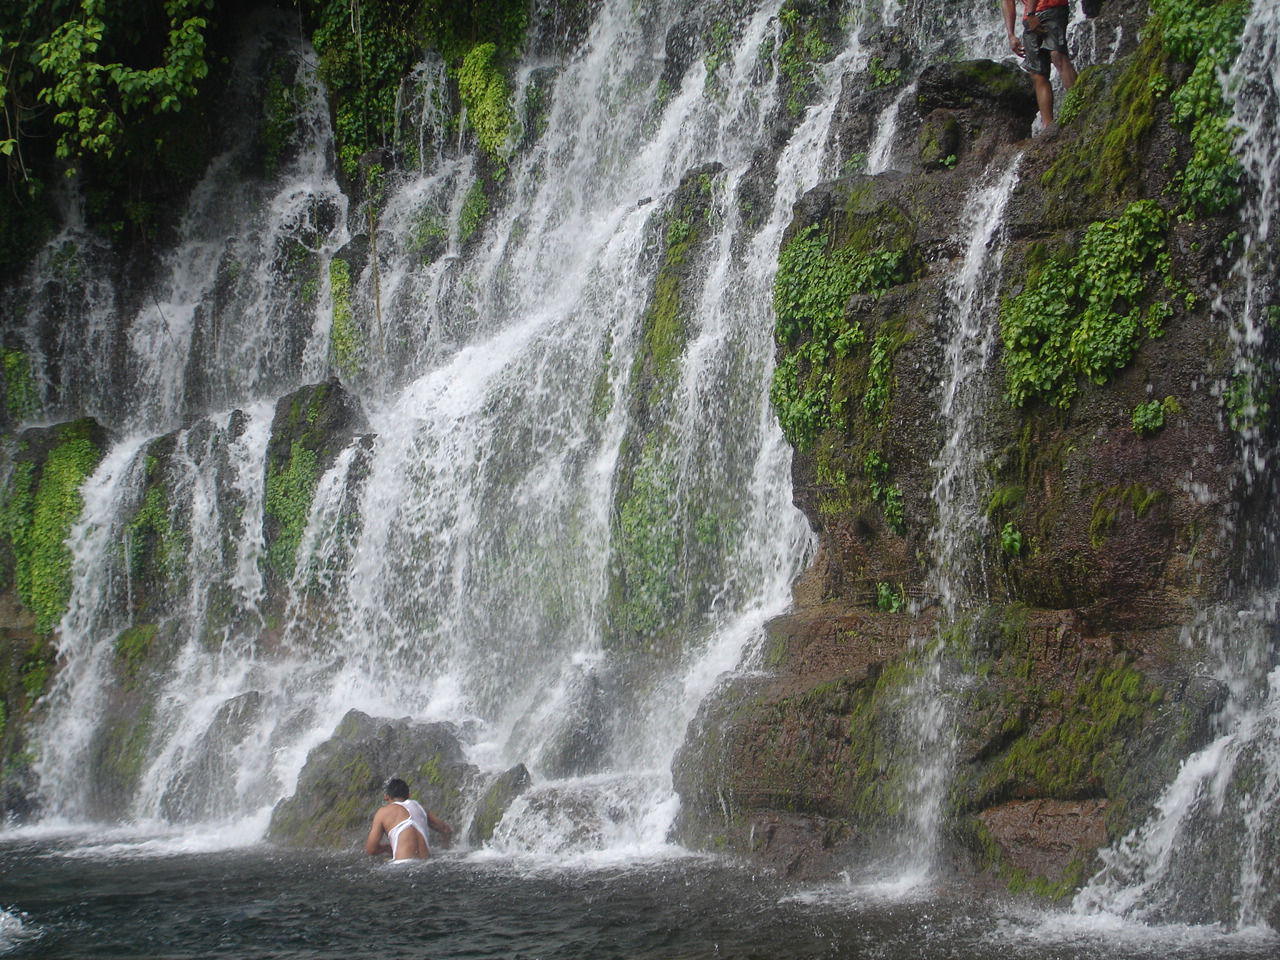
683	43
206	788
342	784
976	84
494	803
1042	837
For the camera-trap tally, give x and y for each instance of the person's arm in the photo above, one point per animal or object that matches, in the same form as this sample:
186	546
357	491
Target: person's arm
373	845
1010	8
438	825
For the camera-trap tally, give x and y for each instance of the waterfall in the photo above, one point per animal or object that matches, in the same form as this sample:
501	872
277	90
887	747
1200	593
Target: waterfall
464	547
969	333
1205	855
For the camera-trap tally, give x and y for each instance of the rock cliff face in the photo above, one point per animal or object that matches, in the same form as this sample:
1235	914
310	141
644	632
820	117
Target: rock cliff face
1100	482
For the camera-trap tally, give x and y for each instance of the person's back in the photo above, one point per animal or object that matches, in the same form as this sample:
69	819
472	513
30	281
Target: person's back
406	828
405	823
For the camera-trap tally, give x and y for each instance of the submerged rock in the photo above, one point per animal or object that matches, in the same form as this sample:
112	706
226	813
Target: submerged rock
342	784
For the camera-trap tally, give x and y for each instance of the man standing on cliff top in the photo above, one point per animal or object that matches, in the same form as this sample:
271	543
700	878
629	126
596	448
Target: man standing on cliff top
405	823
1043	42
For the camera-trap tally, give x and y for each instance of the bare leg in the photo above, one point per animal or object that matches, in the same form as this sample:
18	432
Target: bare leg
1044	97
1066	70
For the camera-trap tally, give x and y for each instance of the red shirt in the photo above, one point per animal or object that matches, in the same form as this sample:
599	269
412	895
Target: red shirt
1031	6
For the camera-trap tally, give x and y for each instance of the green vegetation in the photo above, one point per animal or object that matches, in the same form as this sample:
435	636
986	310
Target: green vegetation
475	206
155	548
91	92
44	501
1081	749
21	398
344	335
807	42
1083	315
1149	417
1206	34
133	647
883	76
365	49
890	600
888	495
1247	400
811	291
1203	34
719	51
288	503
1011	540
279	119
1136	497
487	100
648	547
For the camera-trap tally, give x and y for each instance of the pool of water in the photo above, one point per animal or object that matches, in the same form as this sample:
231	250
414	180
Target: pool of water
112	895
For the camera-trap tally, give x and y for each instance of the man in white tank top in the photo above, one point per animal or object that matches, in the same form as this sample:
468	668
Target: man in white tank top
405	823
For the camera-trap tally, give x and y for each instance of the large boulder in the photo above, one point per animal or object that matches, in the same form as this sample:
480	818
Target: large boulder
342	783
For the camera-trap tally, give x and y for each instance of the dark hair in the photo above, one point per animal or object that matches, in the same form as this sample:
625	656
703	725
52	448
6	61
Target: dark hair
397	789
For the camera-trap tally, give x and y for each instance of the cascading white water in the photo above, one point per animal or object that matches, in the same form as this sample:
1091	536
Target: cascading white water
473	583
1208	852
969	332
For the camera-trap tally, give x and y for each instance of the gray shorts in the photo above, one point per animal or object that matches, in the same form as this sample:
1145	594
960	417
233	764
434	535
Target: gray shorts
1036	47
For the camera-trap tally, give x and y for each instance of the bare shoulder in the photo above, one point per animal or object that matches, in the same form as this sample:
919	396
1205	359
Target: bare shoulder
391	814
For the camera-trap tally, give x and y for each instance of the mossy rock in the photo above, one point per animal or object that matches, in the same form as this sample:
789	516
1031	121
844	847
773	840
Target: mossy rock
967	83
311	427
495	802
342	784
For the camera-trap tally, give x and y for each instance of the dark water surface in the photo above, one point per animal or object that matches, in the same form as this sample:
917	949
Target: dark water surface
62	900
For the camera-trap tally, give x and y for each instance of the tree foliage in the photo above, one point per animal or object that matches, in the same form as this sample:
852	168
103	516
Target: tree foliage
91	67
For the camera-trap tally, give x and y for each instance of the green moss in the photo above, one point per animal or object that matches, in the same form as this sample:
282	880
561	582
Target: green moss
39	515
1139	499
288	502
1203	34
1081	751
1121	116
133	647
475	206
155	547
21	396
429	235
123	756
487	100
430	771
1084	316
648	551
344	336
